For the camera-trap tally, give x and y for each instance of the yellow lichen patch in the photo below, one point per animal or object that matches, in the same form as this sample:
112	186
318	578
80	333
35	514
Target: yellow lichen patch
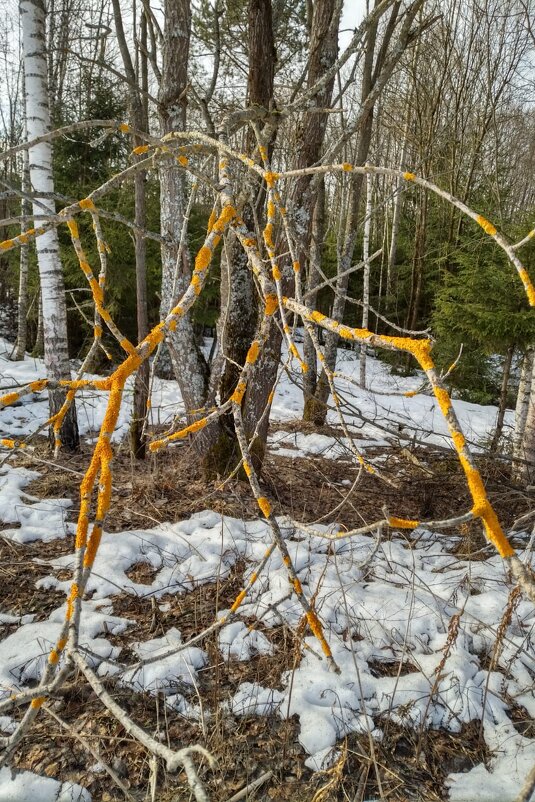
268	237
458	441
528	286
7	442
173	325
263	152
38	702
73	228
238	600
402	523
239	392
70	601
276	273
177	310
347	167
410	393
486	225
183	161
249	242
252	353
318	317
409	176
97	331
271	209
92	546
196	284
38	385
296	266
443	398
6	244
345	332
315	626
23	239
271	178
87	204
271	396
228	213
271	304
140	149
127	345
203	258
124	128
212	219
482	509
297	586
264	505
9	398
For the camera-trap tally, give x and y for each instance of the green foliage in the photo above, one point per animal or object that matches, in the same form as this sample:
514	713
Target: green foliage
481	304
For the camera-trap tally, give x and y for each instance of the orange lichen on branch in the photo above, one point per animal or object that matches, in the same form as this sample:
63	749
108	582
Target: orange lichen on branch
73	594
238	600
203	258
409	176
9	398
264	505
87	204
253	352
239	392
271	178
528	285
402	523
271	304
196	426
317	629
486	225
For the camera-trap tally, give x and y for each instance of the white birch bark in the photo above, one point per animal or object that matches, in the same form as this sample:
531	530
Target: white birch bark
22	308
525	405
366	277
32	15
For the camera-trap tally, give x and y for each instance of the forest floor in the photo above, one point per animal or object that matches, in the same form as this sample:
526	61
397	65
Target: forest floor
435	695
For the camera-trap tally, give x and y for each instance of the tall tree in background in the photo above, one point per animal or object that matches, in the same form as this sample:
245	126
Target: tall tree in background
32	14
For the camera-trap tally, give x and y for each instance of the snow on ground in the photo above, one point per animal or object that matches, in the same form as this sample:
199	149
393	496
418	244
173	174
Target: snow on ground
27	786
397	610
382	404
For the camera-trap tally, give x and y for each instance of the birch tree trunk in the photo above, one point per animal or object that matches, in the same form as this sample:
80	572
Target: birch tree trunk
32	15
521	413
22	310
526	470
366	278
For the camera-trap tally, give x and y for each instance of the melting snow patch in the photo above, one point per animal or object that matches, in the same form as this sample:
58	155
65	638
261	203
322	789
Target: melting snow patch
240	642
26	785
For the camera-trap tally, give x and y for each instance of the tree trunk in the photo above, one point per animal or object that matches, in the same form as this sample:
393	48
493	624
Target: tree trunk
521	414
366	278
239	301
503	397
24	261
32	13
189	366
